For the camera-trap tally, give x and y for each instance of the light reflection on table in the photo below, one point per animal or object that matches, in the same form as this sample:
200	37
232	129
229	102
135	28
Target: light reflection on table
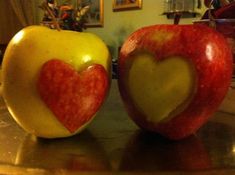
113	144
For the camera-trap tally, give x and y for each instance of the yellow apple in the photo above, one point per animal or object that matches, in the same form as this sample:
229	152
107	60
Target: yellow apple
38	92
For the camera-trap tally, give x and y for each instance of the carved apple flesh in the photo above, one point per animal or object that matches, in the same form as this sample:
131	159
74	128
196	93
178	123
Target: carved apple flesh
172	78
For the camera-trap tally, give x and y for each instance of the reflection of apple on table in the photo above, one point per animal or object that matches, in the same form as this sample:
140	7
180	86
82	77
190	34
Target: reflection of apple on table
152	153
220	131
54	82
77	153
11	136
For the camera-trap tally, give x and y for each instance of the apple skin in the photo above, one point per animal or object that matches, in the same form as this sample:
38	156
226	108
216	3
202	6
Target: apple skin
24	58
210	58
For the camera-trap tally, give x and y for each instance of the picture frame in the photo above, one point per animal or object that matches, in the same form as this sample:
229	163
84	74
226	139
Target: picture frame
95	15
120	5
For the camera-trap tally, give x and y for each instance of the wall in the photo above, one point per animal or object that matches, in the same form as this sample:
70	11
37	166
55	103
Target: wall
118	25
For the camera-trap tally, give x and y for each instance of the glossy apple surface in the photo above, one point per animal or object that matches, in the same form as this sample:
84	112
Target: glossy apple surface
54	82
172	78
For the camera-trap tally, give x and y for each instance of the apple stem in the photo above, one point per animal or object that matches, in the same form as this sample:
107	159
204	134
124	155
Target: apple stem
177	17
55	22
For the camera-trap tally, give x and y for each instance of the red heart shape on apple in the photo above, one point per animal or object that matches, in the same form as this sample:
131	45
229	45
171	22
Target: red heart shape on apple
74	97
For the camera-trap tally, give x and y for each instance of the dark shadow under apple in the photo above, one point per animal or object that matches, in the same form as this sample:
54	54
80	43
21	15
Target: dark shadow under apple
150	152
212	147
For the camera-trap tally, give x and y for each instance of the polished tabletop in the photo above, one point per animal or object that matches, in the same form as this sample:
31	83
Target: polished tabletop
113	144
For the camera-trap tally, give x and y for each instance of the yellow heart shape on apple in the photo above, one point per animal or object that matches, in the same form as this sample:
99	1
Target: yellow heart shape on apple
159	88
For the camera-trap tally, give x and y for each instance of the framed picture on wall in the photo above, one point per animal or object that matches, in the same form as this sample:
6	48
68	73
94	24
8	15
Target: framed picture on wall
95	15
119	5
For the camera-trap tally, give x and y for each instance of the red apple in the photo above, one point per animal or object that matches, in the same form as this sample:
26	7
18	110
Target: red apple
172	78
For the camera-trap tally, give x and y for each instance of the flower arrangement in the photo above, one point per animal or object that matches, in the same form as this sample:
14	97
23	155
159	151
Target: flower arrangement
64	16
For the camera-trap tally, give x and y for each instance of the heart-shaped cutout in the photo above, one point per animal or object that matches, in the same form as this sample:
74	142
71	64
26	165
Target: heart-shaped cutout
160	88
74	97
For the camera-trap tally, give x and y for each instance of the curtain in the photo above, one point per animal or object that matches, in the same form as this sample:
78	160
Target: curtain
14	15
9	23
25	11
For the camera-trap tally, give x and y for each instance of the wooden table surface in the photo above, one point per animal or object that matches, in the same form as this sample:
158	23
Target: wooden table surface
113	144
